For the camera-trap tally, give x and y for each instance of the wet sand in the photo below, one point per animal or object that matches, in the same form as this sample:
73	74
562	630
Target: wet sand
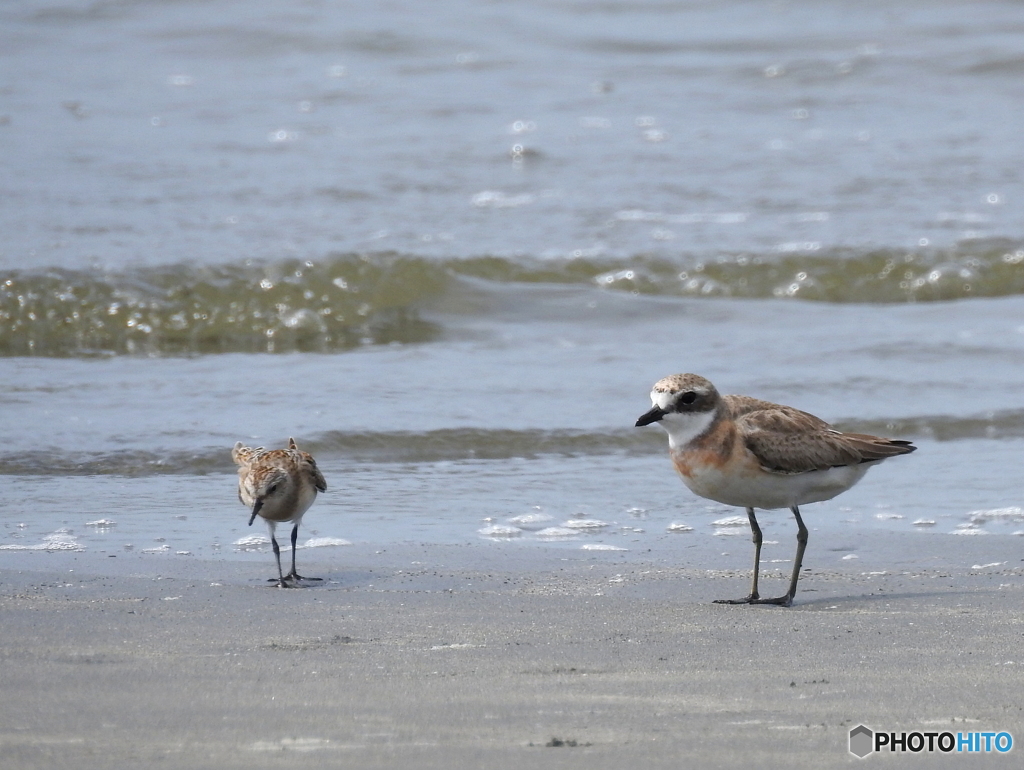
492	655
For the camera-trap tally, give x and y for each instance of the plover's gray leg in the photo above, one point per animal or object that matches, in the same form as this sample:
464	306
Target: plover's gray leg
801	545
755	532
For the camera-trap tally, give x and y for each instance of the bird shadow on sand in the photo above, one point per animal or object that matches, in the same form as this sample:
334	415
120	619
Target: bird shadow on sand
329	580
872	599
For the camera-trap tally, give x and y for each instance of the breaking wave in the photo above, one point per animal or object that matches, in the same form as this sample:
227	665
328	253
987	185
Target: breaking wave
349	300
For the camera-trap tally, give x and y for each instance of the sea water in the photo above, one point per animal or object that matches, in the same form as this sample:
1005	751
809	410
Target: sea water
449	248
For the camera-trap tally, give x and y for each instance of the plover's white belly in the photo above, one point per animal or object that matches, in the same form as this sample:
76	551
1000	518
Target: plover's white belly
772	490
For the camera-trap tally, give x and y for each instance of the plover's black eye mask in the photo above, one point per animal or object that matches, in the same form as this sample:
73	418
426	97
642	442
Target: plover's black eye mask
688	397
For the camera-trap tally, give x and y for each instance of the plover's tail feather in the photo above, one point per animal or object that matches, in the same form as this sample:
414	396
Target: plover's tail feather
876	448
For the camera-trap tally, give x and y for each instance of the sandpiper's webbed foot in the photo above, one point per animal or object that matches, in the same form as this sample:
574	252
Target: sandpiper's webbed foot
296	576
745	600
781	601
281	583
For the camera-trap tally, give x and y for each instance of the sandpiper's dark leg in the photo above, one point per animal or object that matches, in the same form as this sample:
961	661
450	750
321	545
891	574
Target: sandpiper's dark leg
801	545
755	532
277	555
294	574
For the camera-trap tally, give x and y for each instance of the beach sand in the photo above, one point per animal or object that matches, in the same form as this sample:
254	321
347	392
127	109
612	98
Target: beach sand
500	656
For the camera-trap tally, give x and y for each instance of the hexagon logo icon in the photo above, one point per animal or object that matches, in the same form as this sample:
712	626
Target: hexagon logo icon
861	740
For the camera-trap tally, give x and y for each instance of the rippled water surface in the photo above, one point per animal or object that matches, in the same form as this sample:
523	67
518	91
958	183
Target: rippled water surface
449	249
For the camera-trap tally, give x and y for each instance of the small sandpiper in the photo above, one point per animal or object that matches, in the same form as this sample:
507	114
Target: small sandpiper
279	486
750	453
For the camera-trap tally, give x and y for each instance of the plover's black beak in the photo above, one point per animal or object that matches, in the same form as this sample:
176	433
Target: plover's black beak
655	414
255	510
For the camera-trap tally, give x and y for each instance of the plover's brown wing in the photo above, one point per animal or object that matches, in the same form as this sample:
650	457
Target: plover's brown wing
786	440
740	405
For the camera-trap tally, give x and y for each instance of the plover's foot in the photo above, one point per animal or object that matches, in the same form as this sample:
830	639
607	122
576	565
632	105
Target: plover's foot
745	600
781	601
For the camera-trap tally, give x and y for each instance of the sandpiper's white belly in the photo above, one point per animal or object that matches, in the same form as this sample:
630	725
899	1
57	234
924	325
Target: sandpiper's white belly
291	509
307	495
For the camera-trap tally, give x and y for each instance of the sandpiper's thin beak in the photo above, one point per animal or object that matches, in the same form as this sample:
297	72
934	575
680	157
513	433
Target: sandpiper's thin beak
255	511
655	414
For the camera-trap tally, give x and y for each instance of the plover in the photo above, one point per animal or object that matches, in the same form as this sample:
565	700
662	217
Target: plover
278	485
750	453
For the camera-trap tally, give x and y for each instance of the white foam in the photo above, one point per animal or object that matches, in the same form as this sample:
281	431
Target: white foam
529	520
585	524
101	523
555	532
159	549
968	529
1012	513
678	526
888	516
500	530
325	542
251	541
292	745
499	200
728	532
601	547
850	556
731	521
924	523
61	540
986	566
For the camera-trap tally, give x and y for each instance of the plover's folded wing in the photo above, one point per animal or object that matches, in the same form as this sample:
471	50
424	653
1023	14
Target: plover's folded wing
786	440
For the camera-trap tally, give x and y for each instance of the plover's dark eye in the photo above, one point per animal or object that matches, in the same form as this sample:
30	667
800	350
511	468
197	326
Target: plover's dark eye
272	490
688	397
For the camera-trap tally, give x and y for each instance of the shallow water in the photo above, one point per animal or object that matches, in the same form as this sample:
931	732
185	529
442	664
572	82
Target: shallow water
450	251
